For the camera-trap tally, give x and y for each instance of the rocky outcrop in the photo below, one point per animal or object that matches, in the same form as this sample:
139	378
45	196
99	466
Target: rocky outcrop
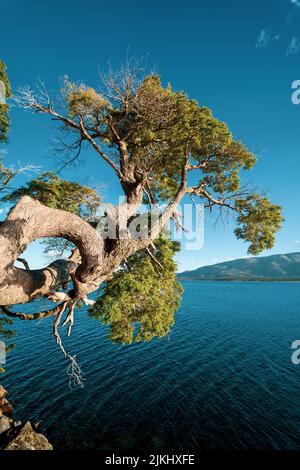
15	435
5	424
28	439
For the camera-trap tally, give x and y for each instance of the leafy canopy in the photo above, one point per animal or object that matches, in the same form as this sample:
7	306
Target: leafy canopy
5	323
161	130
159	127
140	300
4	108
5	173
258	221
57	193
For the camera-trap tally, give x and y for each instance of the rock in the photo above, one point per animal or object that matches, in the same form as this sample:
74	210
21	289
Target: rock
17	436
3	401
5	407
3	392
28	439
5	424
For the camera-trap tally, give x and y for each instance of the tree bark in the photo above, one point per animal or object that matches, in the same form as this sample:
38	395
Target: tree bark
88	266
29	221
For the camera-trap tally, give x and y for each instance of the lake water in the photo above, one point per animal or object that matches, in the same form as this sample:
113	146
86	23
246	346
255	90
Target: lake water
222	379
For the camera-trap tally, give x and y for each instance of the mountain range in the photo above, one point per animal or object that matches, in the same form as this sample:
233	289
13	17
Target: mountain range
284	267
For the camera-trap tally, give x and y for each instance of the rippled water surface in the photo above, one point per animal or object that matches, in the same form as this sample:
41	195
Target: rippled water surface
222	379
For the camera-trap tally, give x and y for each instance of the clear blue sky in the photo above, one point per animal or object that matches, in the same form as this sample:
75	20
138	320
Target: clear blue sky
237	57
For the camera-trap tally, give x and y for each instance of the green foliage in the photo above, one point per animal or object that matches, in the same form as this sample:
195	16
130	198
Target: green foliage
259	219
161	129
6	175
174	126
4	108
140	300
163	126
83	100
58	193
6	333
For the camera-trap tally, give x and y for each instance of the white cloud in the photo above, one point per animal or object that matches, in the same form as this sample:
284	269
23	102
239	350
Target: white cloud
296	242
263	38
293	47
53	254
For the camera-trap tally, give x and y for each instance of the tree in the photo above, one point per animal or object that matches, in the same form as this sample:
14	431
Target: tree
4	109
163	147
6	176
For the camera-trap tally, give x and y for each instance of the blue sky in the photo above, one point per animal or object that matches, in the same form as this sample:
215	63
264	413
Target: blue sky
238	58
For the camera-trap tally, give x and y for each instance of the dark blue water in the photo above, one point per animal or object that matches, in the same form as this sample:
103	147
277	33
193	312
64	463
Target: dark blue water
223	378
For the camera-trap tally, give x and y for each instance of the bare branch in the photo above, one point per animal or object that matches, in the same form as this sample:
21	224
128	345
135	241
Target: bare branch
153	258
120	85
41	103
31	316
24	262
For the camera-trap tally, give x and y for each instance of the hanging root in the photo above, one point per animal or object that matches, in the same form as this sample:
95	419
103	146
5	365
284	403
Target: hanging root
70	317
74	372
55	327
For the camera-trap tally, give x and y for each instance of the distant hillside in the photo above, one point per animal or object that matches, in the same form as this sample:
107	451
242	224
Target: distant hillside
275	267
